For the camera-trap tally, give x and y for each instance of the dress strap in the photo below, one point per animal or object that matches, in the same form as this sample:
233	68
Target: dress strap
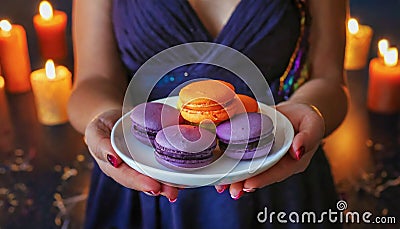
296	72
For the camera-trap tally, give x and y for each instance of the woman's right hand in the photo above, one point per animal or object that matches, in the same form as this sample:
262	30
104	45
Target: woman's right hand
97	136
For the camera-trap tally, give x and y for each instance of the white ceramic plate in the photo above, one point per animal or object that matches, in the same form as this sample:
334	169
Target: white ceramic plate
223	170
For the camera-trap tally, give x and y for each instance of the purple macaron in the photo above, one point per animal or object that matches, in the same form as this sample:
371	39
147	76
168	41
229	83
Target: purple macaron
149	118
246	136
184	146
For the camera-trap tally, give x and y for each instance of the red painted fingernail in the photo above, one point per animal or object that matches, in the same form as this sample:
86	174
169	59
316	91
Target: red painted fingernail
240	194
113	160
221	189
249	189
172	200
299	153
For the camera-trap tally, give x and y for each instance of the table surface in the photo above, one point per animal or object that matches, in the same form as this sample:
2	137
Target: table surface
45	171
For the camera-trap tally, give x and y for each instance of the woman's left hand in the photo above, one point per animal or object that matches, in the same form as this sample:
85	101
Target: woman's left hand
309	130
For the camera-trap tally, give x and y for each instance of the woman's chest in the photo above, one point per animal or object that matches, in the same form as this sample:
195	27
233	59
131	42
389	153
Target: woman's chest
214	14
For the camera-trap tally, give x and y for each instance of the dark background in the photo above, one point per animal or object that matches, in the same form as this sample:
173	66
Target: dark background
382	16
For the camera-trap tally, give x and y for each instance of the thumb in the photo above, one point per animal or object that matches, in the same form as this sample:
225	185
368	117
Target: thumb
298	147
97	136
308	137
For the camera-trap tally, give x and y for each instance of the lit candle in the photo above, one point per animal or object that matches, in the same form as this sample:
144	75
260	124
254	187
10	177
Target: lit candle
384	83
50	28
51	88
383	46
357	45
14	57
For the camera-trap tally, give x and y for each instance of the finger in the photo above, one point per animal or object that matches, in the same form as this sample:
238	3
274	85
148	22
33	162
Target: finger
298	146
170	192
98	139
236	190
221	188
130	178
110	117
309	135
296	120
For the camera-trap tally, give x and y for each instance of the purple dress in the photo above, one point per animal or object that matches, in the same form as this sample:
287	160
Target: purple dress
269	32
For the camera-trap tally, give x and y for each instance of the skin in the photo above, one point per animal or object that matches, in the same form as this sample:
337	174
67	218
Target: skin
95	104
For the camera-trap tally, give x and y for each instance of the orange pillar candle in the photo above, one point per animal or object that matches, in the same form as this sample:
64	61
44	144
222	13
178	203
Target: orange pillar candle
51	88
384	83
14	57
357	45
50	28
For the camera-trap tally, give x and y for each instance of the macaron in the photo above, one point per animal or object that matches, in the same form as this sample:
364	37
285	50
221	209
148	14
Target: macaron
149	118
248	102
229	85
246	136
207	100
184	147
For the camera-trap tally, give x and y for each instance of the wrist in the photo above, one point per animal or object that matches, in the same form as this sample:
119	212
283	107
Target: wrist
316	110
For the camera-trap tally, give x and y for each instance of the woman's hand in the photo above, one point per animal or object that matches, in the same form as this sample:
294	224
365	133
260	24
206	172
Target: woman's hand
309	129
97	136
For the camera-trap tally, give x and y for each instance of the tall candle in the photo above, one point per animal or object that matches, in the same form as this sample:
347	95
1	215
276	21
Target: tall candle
51	88
384	83
50	28
357	45
14	57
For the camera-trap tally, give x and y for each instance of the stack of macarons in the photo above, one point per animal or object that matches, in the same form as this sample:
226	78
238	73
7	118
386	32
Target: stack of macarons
179	139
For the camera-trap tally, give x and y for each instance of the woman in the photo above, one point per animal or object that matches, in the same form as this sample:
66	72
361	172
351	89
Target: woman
114	38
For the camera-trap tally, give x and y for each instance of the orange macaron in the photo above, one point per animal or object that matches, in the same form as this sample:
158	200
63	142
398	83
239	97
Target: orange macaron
250	104
227	84
213	100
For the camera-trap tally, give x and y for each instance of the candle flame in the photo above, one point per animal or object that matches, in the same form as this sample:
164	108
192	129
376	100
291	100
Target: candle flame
1	82
50	69
46	10
5	25
383	46
390	57
352	25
